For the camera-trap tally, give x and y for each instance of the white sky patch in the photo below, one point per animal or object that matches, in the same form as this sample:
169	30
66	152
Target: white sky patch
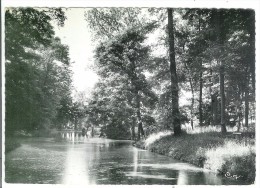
77	36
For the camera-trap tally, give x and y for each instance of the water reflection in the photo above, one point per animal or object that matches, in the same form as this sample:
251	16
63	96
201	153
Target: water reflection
76	167
212	179
169	170
188	178
78	160
182	178
72	136
135	161
83	166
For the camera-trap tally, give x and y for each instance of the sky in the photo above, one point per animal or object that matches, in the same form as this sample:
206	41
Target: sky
77	36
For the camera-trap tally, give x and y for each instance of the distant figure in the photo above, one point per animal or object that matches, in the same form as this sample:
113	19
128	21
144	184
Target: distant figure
83	132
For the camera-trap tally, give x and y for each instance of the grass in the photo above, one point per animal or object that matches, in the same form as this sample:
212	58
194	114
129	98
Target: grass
212	150
232	159
156	136
216	128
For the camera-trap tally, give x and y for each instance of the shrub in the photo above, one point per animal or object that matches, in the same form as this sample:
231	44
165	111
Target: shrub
117	130
242	167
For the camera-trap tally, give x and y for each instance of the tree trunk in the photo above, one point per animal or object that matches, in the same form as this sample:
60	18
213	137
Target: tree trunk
252	48
136	87
239	123
252	69
133	132
201	87
213	101
221	38
92	131
239	111
138	114
192	103
222	96
174	80
200	97
246	102
192	96
133	129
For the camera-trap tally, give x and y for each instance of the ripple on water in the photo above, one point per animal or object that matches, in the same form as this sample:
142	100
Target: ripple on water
148	176
171	166
175	166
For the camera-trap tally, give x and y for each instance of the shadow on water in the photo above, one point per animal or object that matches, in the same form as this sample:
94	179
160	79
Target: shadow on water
80	160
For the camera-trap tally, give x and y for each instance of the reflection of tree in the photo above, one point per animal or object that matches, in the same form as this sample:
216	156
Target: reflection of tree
212	179
182	178
135	161
76	168
81	165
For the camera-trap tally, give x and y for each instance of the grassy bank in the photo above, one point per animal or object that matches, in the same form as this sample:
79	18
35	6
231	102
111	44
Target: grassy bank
211	150
12	140
11	144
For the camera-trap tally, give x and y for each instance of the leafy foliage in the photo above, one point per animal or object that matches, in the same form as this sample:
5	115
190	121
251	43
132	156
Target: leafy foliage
214	61
121	63
38	78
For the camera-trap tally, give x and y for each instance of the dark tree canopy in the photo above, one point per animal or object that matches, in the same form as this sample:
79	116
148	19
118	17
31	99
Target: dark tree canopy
38	78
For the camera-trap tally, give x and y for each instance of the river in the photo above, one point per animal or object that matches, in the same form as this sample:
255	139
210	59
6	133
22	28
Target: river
78	160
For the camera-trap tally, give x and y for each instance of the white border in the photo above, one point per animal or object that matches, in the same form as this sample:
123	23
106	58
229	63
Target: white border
134	3
253	4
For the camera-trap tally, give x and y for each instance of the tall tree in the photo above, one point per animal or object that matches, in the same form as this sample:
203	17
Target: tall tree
221	39
174	80
125	54
112	107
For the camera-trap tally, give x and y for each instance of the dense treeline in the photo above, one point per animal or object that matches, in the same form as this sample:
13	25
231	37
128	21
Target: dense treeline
159	69
150	60
38	75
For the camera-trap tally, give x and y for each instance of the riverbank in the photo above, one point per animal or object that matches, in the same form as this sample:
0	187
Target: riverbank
222	154
12	140
11	144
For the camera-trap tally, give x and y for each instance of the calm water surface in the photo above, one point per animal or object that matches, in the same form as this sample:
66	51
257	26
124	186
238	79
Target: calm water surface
79	160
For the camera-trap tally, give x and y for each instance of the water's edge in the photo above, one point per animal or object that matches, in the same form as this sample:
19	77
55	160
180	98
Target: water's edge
157	147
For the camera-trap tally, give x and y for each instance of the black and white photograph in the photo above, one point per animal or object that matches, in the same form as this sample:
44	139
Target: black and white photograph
129	95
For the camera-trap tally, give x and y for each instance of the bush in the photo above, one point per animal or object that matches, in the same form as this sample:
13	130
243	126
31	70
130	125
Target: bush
242	167
117	131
